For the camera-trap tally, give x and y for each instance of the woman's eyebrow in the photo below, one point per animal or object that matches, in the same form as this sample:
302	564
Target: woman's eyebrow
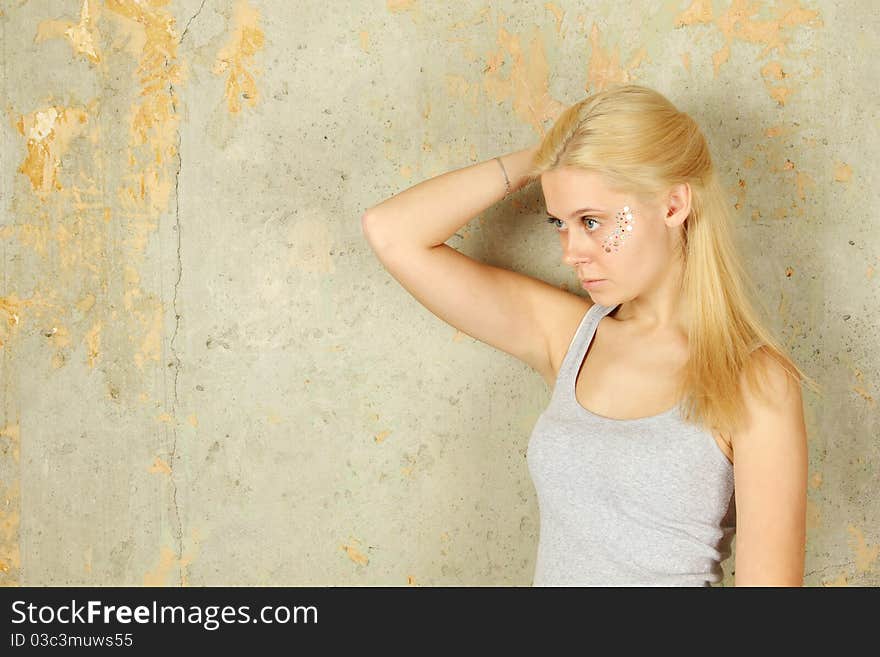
579	211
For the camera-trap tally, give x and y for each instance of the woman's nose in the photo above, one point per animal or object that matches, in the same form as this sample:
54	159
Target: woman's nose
578	248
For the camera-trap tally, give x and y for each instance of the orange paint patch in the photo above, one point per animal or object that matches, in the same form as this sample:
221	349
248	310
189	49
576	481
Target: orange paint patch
397	6
84	36
860	387
159	466
168	563
738	23
49	133
842	172
93	343
381	436
527	83
605	69
355	555
237	56
559	14
700	11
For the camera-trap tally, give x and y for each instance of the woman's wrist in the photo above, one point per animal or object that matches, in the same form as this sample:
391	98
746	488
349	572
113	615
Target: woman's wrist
515	164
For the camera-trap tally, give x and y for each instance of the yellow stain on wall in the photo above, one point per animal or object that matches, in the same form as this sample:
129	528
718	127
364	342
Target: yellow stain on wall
860	388
605	69
527	83
83	36
738	22
93	343
396	6
355	555
865	555
11	306
168	563
236	57
842	172
559	14
159	466
49	133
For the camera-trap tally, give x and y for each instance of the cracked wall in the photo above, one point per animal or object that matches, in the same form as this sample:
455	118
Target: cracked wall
207	377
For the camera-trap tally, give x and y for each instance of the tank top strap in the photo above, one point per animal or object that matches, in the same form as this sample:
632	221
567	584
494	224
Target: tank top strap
580	341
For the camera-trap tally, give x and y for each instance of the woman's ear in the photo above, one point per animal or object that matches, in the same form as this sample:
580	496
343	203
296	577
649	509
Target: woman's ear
678	204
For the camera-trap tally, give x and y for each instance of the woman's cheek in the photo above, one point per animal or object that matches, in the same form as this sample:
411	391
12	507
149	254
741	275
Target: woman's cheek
621	231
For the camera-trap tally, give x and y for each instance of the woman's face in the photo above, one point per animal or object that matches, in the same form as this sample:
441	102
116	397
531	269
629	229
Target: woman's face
608	235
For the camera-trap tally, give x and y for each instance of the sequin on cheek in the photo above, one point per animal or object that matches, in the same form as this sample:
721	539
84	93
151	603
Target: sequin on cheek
622	230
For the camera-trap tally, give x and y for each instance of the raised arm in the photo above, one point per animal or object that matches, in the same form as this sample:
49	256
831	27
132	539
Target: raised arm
507	310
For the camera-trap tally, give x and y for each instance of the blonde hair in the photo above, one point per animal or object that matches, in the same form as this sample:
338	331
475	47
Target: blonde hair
640	143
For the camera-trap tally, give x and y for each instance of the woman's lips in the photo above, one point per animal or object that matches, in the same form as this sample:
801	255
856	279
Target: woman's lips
588	284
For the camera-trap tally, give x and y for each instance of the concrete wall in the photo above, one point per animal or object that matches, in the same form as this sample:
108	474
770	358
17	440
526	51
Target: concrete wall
209	379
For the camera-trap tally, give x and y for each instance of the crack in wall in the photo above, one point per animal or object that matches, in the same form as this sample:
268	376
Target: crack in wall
192	18
174	337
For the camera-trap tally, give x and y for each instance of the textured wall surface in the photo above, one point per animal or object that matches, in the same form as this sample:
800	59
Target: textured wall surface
207	376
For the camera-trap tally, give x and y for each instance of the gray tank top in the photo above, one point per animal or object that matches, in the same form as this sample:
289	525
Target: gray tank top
640	502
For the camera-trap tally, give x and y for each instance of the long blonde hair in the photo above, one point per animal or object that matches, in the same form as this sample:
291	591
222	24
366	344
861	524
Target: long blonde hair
642	145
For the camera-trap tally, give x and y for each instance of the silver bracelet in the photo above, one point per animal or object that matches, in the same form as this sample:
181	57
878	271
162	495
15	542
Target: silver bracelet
506	179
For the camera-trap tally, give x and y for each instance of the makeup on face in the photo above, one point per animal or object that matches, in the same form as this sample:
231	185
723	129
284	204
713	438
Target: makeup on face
623	227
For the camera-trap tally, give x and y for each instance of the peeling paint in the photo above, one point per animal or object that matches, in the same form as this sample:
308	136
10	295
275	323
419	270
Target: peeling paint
83	36
738	23
355	555
49	133
236	57
527	83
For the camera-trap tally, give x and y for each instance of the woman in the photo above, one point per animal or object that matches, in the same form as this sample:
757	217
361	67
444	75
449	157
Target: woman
676	420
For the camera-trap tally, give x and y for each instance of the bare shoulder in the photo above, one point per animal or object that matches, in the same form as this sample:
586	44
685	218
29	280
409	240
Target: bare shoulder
771	467
775	403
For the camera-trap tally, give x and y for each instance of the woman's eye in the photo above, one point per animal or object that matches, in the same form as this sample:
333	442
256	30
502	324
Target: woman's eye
554	220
